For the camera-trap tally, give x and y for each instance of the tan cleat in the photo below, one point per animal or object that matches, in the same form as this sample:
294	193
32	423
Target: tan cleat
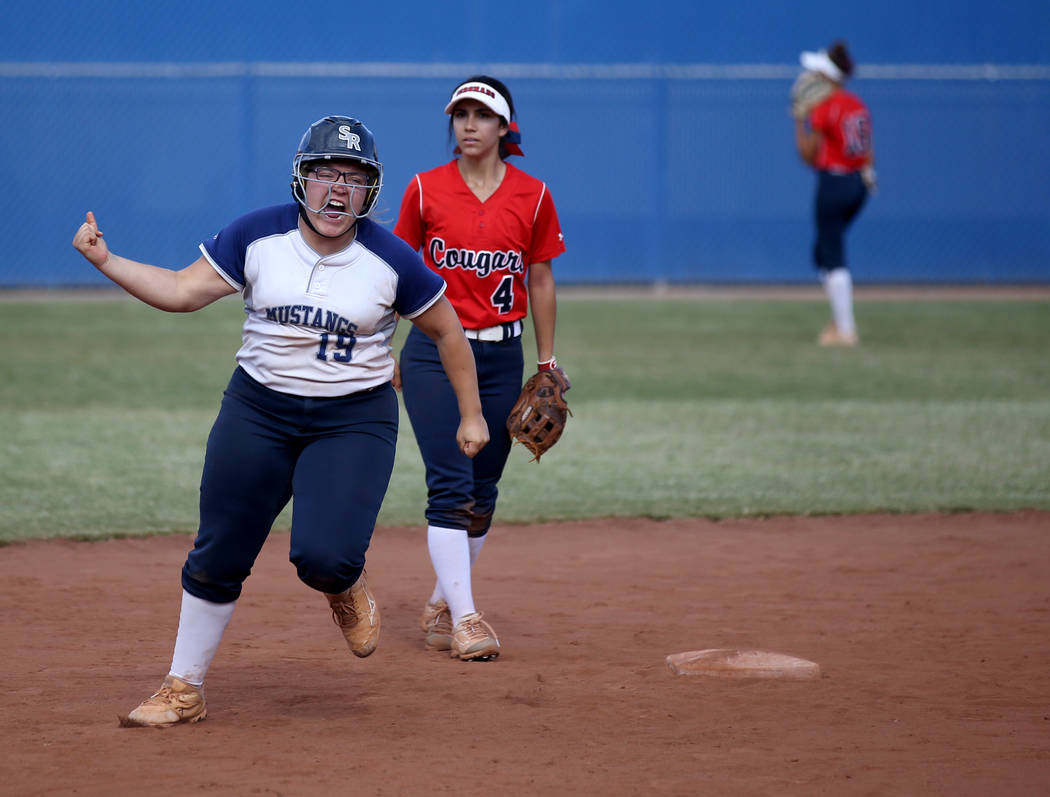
474	640
436	621
830	336
356	614
176	702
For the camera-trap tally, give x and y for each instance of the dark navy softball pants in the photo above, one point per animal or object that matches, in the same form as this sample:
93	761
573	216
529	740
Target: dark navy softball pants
461	492
334	456
838	201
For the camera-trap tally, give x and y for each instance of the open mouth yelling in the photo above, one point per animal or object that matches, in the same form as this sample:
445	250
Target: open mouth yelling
334	210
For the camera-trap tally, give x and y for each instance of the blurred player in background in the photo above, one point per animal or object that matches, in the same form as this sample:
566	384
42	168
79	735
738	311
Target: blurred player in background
310	412
834	137
491	231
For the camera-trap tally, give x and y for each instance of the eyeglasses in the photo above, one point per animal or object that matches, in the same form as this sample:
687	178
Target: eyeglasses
326	174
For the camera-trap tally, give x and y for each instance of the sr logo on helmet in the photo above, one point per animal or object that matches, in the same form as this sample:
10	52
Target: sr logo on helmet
352	139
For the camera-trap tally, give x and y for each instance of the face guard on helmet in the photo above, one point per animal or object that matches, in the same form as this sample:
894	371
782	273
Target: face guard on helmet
337	138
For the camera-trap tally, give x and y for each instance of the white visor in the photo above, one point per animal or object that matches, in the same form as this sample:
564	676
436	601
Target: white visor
820	62
483	93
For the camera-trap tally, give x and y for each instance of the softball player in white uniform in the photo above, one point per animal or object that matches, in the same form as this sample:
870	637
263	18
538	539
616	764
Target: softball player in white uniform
309	411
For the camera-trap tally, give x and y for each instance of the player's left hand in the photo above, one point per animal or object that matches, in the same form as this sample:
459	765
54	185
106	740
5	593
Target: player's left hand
472	435
564	376
396	381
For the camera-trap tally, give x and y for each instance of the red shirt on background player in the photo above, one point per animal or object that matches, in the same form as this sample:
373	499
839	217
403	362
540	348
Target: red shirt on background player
844	123
491	231
483	249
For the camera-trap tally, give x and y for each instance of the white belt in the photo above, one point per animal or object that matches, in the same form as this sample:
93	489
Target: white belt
496	333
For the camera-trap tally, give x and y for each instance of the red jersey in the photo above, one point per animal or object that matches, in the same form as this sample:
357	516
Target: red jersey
845	124
482	249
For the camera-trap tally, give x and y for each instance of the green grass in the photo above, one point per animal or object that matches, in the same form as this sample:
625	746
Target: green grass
683	407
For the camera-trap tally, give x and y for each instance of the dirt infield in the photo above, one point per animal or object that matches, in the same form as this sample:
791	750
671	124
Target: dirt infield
933	633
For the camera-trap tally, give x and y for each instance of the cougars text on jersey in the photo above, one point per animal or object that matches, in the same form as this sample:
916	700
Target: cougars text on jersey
482	262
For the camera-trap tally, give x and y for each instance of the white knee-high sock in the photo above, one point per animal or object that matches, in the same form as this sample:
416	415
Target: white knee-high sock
450	556
839	286
201	625
474	543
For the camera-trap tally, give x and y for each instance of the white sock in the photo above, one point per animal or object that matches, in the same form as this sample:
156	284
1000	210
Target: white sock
839	286
437	594
450	556
474	543
201	625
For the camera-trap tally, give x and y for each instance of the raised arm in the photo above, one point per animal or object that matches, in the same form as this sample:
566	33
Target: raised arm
441	324
181	291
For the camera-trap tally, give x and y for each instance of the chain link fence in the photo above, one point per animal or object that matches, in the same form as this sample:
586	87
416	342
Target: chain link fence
675	173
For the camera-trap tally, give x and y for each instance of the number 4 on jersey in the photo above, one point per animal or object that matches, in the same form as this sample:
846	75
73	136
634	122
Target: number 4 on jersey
503	297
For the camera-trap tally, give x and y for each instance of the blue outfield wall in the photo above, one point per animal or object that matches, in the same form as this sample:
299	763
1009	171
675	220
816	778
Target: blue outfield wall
668	148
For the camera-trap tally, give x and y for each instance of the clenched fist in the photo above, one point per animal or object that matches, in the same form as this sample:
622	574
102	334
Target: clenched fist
88	241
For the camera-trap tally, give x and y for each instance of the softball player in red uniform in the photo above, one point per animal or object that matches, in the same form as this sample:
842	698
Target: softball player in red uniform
836	141
491	231
310	411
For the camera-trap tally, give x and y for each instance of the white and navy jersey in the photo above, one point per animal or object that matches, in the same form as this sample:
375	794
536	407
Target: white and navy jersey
319	325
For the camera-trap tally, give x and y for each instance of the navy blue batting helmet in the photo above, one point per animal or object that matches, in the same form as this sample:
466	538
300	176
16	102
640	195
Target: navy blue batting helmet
338	138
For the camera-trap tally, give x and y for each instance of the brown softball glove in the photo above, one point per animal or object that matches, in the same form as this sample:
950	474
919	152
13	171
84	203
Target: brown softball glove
540	413
808	91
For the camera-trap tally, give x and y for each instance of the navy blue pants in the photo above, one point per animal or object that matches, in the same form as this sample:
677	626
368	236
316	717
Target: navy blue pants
838	201
334	455
461	492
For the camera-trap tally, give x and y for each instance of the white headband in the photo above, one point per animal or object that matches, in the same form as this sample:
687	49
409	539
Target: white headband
483	93
820	62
